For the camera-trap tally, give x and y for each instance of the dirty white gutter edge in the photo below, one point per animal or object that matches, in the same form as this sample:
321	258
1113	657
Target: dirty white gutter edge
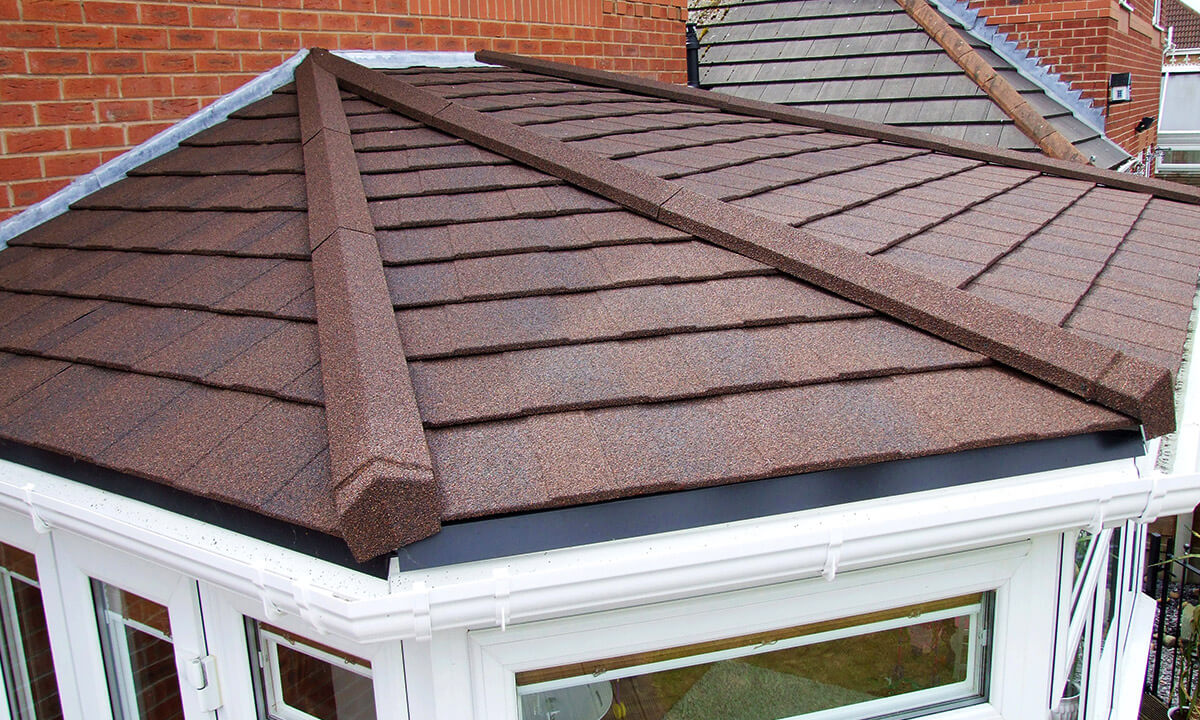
603	576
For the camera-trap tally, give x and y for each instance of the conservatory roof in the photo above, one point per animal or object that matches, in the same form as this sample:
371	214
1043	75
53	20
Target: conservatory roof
379	301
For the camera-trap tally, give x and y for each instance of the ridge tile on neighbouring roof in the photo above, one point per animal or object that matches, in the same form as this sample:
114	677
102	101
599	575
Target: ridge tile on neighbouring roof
869	60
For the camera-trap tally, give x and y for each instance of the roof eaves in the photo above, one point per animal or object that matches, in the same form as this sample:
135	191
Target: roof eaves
382	483
1045	351
879	131
1027	120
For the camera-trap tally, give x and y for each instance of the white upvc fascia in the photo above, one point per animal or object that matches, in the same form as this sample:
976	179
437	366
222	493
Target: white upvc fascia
169	139
607	575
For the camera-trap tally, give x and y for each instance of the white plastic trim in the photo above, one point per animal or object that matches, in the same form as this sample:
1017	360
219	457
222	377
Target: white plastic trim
596	577
1132	672
167	140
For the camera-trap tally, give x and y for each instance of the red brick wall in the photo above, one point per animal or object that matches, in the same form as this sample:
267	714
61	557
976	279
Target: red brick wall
1085	41
82	81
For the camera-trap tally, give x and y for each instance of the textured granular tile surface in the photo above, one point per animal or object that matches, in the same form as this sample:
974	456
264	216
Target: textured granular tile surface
522	342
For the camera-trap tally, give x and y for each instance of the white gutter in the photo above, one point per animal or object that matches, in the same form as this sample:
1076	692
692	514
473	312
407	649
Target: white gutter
169	139
607	575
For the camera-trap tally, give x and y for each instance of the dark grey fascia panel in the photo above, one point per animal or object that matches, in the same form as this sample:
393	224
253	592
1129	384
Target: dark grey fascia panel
619	519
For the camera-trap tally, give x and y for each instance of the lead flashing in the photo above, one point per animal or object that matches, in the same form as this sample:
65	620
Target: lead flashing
1028	121
169	139
1025	64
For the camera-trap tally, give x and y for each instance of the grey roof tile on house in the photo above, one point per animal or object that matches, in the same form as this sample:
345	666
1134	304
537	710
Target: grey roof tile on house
572	287
867	59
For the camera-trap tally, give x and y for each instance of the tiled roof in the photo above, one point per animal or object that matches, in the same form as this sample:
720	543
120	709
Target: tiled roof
443	294
1186	22
901	62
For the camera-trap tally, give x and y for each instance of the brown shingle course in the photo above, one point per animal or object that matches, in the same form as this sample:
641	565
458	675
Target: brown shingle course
20	374
208	347
85	409
233	471
274	105
243	132
172	440
1159	188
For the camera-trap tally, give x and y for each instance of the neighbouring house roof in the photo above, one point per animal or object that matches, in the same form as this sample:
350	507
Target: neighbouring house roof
1186	22
900	62
379	301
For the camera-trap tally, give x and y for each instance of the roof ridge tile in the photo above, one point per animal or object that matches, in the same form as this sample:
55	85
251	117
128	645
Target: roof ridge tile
879	131
1028	120
1045	351
381	483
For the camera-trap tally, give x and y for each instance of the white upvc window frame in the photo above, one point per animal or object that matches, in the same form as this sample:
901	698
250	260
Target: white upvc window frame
277	705
1083	605
206	620
78	562
225	616
17	531
1009	571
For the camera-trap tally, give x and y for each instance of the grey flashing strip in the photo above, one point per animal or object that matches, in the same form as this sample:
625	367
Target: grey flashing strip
1027	66
636	517
167	140
162	143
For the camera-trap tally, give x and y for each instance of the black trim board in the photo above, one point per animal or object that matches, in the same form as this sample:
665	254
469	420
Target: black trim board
619	519
214	512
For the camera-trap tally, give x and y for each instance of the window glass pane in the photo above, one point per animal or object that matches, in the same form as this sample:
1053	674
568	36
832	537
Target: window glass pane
907	658
1180	102
1182	157
1112	580
305	679
26	659
1083	540
139	655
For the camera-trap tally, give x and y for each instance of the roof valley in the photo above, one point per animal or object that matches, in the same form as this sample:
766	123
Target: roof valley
1040	349
381	483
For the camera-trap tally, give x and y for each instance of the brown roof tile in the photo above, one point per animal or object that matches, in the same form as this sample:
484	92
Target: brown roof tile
574	329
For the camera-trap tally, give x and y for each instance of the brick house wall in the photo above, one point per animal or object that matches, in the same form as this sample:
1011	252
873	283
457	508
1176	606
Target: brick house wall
1084	41
81	82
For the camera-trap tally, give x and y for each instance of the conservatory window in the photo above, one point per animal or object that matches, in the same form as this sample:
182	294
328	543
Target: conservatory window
302	680
139	655
31	690
930	656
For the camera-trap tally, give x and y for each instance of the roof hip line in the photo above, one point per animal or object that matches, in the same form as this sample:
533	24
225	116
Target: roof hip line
1063	359
1028	121
878	131
381	474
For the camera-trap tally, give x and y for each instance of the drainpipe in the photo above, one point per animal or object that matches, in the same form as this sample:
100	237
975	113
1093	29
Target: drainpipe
693	56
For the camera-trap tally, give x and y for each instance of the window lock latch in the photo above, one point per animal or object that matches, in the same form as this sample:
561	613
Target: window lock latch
202	674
